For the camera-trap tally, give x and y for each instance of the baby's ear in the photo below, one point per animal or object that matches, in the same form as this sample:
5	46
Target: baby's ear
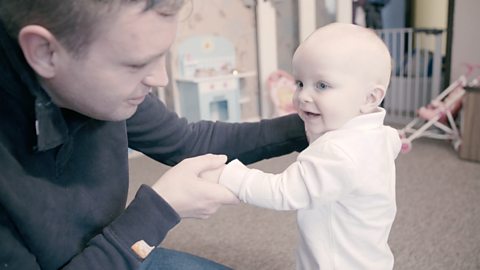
373	98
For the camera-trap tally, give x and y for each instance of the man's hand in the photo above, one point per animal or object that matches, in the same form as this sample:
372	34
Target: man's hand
188	194
213	175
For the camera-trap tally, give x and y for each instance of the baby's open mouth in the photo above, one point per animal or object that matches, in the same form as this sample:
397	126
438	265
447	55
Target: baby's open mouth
311	114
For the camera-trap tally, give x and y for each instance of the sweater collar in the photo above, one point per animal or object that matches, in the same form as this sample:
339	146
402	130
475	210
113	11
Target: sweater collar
16	75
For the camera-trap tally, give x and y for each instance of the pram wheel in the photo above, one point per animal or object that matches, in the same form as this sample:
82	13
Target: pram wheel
406	146
457	143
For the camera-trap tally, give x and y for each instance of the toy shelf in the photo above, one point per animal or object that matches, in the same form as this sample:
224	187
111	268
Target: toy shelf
209	82
217	78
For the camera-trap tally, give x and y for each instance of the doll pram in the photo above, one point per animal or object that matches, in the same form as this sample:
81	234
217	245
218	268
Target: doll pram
437	119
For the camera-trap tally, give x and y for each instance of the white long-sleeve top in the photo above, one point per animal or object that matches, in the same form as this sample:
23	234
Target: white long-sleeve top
343	186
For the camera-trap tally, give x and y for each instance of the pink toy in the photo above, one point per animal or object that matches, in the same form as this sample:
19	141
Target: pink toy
282	87
437	119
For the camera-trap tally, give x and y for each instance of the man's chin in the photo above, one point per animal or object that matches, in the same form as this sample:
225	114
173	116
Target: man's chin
115	116
124	116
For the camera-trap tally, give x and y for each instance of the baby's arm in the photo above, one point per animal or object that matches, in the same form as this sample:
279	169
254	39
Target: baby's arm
315	178
265	189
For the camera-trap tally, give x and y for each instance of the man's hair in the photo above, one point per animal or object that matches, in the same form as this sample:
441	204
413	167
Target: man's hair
72	22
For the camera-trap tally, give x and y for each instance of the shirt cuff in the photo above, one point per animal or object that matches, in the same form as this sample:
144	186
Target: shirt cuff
233	175
148	218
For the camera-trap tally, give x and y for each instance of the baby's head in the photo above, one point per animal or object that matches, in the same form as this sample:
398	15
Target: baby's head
341	71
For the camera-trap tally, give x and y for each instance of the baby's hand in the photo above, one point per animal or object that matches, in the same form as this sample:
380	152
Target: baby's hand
212	175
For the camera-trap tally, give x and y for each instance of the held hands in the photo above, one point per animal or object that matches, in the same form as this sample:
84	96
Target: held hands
184	189
212	175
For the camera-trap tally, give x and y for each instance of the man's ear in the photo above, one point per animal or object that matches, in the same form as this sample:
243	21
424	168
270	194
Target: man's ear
373	99
40	49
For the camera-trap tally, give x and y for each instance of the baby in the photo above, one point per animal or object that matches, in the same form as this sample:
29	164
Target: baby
343	184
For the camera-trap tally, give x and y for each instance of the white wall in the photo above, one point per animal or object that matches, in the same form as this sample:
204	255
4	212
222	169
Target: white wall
466	36
344	11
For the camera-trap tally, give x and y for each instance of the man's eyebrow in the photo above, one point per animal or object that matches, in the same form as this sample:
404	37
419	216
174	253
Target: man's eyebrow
147	59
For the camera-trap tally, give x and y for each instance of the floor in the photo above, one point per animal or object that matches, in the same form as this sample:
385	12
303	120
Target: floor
437	224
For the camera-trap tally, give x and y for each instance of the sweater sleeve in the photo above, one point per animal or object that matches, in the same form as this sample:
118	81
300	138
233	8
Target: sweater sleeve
13	253
148	217
38	230
164	136
316	178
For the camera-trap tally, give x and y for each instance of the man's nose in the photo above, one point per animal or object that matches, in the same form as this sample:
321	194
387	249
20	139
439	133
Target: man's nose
158	77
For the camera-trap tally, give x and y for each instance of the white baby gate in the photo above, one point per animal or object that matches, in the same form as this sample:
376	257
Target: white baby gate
416	71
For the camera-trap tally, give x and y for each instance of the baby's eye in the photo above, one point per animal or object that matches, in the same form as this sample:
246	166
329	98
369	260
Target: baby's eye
321	85
299	84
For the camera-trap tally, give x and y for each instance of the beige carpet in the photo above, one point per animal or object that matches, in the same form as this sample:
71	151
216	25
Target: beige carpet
437	225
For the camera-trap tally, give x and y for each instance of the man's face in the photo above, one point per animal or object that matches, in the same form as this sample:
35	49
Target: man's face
120	66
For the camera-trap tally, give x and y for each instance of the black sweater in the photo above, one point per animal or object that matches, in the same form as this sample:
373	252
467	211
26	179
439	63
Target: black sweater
64	176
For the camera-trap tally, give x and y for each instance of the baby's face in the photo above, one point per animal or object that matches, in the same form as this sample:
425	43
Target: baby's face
332	83
327	96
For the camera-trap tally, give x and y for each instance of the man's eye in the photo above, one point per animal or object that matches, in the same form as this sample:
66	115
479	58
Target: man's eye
299	84
137	66
321	85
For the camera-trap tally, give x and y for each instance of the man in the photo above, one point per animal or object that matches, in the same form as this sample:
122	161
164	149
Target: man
74	84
